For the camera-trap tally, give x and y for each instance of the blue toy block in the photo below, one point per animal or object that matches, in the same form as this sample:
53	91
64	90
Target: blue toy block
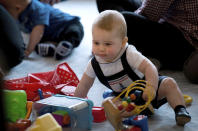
138	120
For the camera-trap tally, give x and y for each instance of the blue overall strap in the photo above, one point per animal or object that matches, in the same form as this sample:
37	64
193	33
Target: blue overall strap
99	73
128	69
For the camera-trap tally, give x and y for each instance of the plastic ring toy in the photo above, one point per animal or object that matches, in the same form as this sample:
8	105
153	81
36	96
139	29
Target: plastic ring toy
113	110
137	85
188	99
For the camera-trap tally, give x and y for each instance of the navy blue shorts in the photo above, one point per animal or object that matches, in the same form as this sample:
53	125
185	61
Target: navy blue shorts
155	102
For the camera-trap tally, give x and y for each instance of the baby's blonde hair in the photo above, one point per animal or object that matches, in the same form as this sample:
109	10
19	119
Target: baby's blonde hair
110	20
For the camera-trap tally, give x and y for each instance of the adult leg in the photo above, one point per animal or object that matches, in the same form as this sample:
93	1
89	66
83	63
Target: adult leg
158	40
119	5
12	45
63	45
69	38
190	67
73	33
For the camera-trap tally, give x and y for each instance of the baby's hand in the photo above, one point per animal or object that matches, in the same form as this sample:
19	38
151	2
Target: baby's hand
27	53
145	95
148	91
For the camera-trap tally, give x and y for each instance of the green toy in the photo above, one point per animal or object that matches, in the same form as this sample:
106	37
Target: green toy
15	104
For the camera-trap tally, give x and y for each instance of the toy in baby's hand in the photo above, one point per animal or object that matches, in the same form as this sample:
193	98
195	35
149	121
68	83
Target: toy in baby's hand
131	104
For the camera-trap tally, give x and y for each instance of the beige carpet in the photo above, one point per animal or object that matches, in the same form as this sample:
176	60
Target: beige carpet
163	120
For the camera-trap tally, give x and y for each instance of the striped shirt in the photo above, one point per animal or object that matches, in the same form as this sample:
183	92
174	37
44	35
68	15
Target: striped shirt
183	14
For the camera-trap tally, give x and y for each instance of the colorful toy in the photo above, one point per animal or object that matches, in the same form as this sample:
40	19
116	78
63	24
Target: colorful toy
62	117
131	102
139	120
98	114
79	110
107	93
45	122
21	124
15	104
188	99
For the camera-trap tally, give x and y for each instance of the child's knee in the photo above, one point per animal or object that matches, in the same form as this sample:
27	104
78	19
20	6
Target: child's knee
170	83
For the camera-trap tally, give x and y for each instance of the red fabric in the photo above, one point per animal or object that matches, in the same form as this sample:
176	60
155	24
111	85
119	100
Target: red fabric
51	82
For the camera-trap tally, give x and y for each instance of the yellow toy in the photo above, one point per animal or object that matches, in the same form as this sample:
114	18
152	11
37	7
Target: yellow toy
45	122
188	99
114	110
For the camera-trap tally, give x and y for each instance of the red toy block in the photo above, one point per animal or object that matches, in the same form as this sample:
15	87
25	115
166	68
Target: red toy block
98	114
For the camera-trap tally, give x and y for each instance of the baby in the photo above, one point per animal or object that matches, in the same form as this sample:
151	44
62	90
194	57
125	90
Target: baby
117	64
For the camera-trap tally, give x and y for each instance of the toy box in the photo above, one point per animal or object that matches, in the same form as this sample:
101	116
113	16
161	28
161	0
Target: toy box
79	111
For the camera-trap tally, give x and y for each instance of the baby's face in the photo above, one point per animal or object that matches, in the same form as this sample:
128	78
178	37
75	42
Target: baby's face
106	44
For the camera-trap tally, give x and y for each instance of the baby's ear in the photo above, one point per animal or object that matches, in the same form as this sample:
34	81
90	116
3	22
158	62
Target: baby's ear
124	41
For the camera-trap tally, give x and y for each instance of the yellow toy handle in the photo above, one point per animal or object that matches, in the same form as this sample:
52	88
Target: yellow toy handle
137	85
